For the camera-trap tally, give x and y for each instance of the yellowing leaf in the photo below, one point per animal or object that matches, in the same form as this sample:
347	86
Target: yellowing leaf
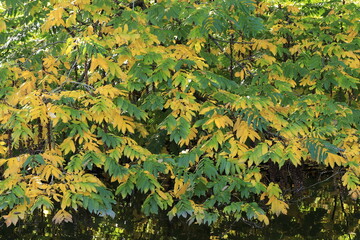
221	121
53	158
14	165
99	61
90	30
49	170
272	48
2	25
162	194
71	20
68	145
57	13
264	44
334	158
62	216
124	123
306	81
293	9
269	59
277	206
350	181
40	112
263	218
192	135
66	200
244	131
241	74
11	219
207	109
3	149
180	187
17	213
109	91
91	178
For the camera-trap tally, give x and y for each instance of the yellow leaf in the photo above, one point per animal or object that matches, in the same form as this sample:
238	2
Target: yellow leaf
126	28
123	123
40	112
53	158
91	178
68	145
49	170
94	63
109	91
14	165
103	63
16	213
94	77
263	218
334	158
71	20
191	136
162	194
57	13
272	48
11	219
207	109
3	149
355	194
241	74
293	9
306	81
180	187
62	216
277	206
243	131
2	25
91	146
66	200
220	121
269	59
90	30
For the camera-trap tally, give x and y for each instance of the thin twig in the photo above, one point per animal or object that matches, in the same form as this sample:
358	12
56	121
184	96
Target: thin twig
88	87
228	56
325	180
225	41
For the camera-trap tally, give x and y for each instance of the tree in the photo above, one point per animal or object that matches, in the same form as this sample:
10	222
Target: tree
185	103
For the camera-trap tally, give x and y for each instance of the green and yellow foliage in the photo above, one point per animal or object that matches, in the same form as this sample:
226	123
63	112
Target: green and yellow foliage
184	102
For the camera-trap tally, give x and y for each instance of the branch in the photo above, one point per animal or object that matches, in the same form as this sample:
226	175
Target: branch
86	86
317	183
38	49
85	73
220	40
228	56
53	43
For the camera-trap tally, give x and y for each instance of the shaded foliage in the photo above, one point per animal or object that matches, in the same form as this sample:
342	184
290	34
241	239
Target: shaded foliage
186	103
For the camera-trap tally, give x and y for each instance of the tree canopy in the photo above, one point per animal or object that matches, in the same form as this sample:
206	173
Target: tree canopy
185	103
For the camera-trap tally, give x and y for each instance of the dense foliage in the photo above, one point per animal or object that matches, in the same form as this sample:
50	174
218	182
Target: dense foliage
185	103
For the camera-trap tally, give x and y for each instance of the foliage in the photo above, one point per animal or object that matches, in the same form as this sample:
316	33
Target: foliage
182	102
321	211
